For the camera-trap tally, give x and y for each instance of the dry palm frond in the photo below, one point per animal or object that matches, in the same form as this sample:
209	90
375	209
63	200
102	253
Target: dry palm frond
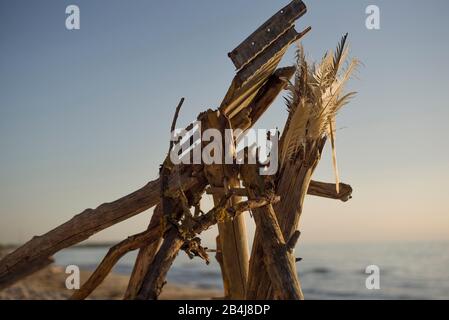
314	100
334	154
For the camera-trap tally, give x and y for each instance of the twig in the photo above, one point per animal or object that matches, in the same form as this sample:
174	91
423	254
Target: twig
173	124
167	203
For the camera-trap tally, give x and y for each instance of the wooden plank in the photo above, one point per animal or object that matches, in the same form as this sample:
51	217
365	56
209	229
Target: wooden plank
233	235
264	98
240	97
284	41
253	76
266	34
249	91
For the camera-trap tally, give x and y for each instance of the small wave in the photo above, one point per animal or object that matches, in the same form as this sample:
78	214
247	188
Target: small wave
319	270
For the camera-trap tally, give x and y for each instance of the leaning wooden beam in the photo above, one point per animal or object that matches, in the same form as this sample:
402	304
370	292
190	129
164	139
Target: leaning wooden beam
154	280
113	256
289	209
277	255
144	258
143	261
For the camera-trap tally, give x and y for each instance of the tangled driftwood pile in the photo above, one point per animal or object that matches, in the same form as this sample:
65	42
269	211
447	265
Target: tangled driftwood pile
276	201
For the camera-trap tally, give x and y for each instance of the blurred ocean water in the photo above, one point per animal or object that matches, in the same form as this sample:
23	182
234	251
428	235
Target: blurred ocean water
334	271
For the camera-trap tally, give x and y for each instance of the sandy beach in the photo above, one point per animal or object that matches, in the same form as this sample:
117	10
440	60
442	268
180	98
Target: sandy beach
49	284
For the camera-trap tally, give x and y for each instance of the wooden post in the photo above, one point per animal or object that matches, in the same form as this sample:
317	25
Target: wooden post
235	254
233	235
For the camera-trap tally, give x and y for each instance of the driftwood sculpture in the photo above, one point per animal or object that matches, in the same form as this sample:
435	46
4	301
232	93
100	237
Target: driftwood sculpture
276	201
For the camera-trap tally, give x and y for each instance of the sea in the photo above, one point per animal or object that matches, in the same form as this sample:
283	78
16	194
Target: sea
327	271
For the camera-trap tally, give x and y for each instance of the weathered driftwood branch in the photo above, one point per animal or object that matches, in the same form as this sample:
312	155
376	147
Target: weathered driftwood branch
26	270
113	256
277	256
86	224
144	258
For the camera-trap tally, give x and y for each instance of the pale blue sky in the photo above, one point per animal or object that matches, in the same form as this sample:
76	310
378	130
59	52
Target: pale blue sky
84	115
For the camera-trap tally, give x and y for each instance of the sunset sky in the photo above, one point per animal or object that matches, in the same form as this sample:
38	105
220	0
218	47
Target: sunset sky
85	114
